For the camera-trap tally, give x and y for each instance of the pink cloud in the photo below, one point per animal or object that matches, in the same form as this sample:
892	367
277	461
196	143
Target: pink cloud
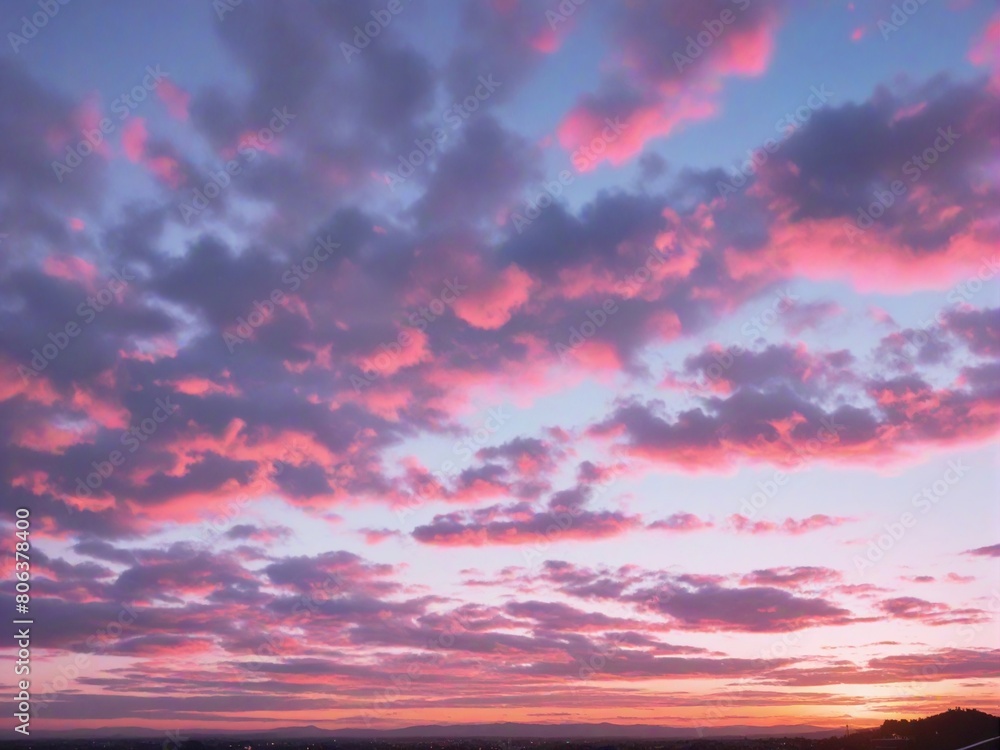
985	50
791	577
680	522
175	98
134	137
490	303
673	77
991	551
791	526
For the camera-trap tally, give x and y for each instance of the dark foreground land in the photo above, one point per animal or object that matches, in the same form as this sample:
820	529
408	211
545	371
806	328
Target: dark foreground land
855	742
956	729
449	744
794	743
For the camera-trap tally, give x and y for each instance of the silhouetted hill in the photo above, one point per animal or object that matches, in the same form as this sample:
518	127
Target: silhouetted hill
951	730
956	728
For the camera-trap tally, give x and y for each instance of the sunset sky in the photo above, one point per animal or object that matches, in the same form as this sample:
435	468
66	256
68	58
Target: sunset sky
372	364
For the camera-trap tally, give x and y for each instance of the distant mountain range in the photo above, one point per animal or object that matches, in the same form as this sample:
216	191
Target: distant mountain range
955	728
499	730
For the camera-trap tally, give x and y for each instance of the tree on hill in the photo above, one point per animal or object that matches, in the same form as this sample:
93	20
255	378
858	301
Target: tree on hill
956	727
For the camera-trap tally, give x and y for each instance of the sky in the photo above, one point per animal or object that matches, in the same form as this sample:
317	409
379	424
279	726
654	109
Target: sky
385	363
